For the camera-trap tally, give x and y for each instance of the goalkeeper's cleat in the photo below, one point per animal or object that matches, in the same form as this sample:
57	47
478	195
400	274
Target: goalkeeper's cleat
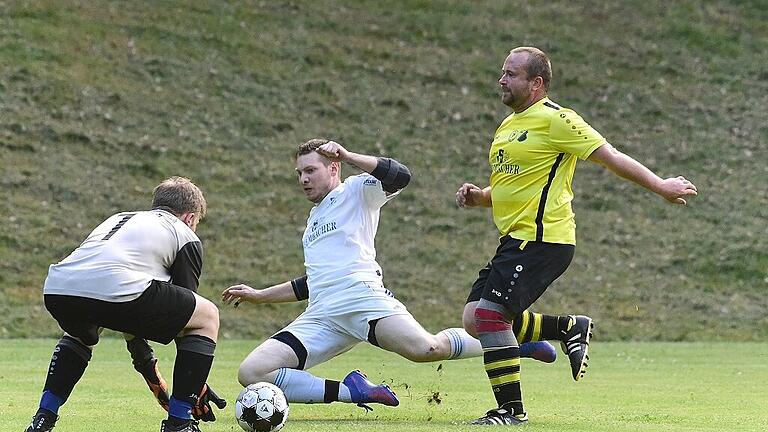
363	391
190	426
501	417
575	343
43	421
542	351
157	385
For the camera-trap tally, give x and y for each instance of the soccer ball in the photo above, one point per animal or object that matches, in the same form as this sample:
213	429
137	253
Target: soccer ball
261	407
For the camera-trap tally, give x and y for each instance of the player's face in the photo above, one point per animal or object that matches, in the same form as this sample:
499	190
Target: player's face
317	175
516	88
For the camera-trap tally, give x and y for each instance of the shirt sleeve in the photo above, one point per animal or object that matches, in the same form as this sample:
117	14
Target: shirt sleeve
569	133
371	191
188	265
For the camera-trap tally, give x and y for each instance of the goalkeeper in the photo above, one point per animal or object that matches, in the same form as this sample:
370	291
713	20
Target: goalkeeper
137	273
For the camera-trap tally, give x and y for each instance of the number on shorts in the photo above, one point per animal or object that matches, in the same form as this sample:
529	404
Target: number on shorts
118	226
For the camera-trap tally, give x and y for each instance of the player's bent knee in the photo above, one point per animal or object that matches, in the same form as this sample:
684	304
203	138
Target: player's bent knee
209	314
204	320
468	318
250	373
468	322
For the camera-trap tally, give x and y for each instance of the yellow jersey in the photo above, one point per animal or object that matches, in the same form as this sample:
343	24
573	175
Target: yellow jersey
533	157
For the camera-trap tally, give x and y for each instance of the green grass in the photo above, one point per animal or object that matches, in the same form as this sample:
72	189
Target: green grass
630	387
100	100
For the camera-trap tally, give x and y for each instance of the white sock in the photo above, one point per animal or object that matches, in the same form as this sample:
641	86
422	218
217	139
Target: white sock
462	344
303	387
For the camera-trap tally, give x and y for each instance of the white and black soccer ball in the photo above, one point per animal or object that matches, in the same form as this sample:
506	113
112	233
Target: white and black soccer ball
261	407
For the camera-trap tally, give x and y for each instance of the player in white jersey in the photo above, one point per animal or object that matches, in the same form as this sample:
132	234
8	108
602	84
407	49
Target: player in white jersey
137	273
347	301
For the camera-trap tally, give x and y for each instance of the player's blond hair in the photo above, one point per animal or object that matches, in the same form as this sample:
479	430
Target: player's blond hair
538	64
179	195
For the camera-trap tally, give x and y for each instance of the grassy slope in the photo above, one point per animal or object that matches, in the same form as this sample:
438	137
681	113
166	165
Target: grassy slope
101	100
631	387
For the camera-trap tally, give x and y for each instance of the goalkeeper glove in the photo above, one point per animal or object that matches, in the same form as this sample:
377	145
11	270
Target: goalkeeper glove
145	363
155	381
202	409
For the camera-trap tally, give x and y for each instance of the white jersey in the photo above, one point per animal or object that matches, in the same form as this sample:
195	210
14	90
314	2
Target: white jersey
122	256
339	250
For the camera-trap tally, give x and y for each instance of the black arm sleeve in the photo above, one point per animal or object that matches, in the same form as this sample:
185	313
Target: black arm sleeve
188	265
300	288
392	174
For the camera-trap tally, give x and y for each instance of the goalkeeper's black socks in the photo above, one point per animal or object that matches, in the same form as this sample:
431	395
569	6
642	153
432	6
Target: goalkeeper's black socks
68	363
194	357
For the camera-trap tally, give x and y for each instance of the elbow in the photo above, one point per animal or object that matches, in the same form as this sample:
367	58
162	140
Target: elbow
392	174
402	178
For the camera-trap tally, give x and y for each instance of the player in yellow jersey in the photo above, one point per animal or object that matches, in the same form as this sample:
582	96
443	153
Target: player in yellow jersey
532	159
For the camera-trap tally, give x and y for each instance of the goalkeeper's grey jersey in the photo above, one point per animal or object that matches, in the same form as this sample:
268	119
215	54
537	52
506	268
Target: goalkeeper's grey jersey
122	256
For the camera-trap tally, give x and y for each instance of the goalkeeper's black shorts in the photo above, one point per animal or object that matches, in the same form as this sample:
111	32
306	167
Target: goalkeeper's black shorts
517	277
159	314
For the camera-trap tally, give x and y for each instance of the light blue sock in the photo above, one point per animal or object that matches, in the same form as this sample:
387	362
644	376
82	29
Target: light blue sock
462	344
303	387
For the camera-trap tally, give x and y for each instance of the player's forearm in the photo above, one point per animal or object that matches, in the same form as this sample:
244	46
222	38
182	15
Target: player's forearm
627	167
482	198
632	170
364	162
280	293
392	174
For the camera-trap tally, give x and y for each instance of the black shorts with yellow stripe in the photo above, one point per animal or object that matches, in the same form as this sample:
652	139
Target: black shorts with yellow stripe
520	272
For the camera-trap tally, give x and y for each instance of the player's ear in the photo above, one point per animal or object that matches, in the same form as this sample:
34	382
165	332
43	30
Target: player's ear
189	219
336	169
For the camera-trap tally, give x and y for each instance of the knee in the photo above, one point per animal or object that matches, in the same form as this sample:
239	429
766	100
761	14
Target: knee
468	322
249	373
210	315
489	321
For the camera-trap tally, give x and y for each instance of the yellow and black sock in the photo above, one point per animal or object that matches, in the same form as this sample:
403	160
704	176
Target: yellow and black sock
531	326
503	369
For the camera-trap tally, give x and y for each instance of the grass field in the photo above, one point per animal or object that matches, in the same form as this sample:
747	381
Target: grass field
630	387
100	100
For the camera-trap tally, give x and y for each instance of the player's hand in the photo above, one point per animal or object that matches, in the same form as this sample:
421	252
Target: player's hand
333	151
155	382
675	189
202	409
465	196
238	294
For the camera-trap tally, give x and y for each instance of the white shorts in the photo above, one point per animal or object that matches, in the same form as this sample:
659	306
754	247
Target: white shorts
337	322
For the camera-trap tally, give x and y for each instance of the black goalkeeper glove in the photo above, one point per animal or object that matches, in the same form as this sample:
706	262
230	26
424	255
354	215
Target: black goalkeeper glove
202	409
